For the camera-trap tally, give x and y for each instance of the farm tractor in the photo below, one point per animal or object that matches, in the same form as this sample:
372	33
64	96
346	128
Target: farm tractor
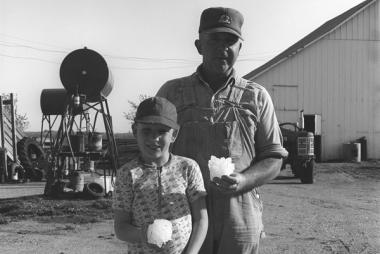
300	145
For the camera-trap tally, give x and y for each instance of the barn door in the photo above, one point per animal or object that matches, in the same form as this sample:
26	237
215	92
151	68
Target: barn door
285	100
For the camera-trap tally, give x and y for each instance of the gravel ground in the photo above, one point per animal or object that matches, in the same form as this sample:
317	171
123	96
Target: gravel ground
339	213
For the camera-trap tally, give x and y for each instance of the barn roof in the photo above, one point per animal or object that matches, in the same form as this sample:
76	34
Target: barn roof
310	38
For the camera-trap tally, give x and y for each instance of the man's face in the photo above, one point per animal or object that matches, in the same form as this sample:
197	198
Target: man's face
153	140
219	50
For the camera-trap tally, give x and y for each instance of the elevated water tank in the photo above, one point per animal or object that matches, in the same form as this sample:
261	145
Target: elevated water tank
54	101
85	72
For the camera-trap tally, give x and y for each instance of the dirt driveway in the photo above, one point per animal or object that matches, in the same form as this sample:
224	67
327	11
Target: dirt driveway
339	213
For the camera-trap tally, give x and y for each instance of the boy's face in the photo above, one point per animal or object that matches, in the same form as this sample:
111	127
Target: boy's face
153	140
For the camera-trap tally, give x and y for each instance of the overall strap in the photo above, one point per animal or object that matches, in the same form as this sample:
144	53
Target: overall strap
237	90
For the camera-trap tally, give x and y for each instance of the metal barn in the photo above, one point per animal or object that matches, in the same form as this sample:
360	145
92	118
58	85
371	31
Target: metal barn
333	73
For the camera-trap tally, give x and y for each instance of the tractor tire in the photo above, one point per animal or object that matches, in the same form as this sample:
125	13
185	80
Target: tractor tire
93	190
307	175
33	166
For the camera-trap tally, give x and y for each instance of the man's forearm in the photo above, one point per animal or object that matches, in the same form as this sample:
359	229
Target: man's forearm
261	172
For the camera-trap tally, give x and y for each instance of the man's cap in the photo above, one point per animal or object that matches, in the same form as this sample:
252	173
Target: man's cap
220	19
157	110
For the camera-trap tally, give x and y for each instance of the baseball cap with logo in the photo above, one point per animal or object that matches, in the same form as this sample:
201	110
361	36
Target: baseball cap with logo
157	110
220	19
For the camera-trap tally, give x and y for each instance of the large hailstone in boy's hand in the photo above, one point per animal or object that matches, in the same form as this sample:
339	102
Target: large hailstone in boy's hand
220	166
159	232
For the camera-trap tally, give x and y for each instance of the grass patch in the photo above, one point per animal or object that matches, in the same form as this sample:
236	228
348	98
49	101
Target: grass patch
76	211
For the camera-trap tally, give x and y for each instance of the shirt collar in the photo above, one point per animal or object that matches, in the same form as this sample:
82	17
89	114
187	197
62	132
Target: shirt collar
230	81
144	165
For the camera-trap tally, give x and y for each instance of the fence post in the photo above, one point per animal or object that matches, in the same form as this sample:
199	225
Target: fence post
2	122
3	165
13	119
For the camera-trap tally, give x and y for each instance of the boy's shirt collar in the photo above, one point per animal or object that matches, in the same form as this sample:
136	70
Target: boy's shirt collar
145	165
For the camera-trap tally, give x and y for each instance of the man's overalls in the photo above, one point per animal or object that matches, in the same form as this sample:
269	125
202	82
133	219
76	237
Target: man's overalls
225	129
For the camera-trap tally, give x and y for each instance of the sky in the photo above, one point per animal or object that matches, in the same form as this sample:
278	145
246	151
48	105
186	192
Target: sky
144	42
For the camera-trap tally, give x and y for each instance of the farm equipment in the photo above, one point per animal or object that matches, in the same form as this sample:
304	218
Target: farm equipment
75	147
300	145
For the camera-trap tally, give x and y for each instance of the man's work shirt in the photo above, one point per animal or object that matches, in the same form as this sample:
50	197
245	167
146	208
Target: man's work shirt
237	121
150	193
252	118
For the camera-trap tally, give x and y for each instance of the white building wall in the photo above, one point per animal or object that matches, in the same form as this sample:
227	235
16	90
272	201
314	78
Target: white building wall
338	78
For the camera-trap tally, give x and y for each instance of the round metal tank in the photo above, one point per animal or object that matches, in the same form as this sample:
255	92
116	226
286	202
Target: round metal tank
54	101
85	71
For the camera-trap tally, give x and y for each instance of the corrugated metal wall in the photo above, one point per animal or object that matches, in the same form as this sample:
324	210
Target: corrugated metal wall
338	78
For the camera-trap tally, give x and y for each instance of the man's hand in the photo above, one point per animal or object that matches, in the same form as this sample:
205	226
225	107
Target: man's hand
254	176
230	184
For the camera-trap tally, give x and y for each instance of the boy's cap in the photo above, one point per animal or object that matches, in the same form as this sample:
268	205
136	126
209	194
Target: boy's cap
220	19
157	110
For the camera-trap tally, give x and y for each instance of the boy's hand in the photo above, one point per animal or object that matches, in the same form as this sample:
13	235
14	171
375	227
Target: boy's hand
143	234
159	232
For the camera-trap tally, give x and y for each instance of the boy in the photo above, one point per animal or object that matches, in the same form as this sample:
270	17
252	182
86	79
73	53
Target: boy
159	185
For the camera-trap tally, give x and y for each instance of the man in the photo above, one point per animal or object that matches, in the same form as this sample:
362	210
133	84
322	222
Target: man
224	115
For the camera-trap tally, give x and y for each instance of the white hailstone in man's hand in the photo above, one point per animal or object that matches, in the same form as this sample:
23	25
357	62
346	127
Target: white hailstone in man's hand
159	232
220	166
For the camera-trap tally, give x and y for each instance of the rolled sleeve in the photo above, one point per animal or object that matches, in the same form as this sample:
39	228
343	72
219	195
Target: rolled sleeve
268	136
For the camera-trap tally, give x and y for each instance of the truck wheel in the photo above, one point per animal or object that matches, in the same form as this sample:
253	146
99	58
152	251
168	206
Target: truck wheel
307	175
